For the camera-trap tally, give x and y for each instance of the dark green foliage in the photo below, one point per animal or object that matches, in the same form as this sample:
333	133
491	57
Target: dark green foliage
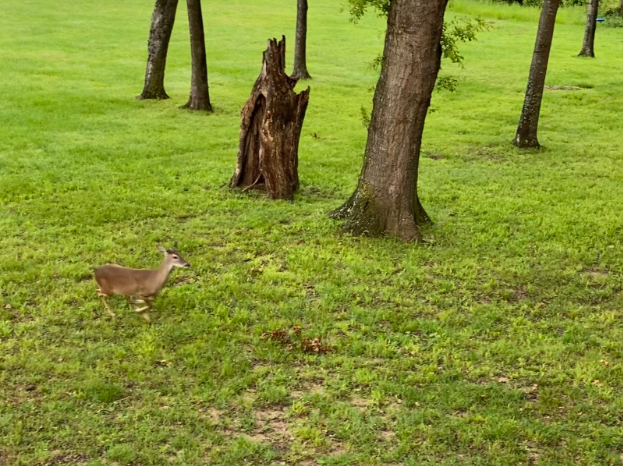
454	32
447	83
365	117
614	18
359	7
540	2
521	2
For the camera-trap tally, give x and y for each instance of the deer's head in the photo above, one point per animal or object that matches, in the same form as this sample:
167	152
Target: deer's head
173	257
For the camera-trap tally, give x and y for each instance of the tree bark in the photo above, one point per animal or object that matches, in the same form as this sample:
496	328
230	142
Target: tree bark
300	47
386	199
199	94
529	121
588	46
272	120
162	21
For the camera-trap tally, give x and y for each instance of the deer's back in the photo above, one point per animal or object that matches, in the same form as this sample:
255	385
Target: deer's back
114	279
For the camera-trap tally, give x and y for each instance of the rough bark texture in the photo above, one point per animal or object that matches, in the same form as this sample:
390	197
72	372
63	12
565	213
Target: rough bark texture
162	21
386	199
199	95
529	122
300	47
272	120
588	46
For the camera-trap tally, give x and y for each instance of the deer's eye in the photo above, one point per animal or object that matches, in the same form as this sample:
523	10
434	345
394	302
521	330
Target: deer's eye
175	257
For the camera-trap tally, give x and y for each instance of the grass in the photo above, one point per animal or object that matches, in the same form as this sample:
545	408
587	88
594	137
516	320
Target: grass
513	11
496	342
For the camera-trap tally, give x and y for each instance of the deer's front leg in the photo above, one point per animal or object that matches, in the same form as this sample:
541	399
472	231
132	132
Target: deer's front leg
103	297
143	310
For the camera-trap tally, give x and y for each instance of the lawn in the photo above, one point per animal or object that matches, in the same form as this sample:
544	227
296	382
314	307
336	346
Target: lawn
497	342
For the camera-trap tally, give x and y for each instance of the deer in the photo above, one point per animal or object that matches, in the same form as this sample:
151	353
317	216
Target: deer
142	284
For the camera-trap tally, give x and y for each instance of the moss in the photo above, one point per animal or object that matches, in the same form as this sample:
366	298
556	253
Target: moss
364	216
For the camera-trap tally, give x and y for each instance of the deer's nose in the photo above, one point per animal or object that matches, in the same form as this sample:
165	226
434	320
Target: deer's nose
187	266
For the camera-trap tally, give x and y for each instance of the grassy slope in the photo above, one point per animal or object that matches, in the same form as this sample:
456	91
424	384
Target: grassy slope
496	343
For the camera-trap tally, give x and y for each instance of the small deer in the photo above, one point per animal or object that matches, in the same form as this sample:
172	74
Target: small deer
140	283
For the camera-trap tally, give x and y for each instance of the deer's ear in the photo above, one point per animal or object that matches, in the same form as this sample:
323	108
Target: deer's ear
162	249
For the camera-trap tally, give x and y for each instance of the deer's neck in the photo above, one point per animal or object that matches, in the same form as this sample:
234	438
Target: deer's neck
162	274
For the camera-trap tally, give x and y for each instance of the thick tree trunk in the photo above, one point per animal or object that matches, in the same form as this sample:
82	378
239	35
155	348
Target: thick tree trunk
529	122
272	120
199	95
300	47
588	46
386	199
162	21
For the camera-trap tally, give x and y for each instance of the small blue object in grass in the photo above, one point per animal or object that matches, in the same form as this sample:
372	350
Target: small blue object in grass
601	20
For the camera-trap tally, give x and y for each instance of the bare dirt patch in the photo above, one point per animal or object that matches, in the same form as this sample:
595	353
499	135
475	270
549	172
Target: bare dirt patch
565	88
596	273
531	392
433	155
292	339
271	427
313	388
361	404
57	457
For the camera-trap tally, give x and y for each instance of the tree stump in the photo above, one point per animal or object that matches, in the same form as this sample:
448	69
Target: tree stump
270	130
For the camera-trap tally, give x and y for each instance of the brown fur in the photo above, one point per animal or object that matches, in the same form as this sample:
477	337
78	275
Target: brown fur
114	279
143	284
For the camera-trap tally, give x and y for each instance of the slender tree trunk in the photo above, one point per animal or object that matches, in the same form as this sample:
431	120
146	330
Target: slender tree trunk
162	21
529	122
386	199
300	47
588	46
199	95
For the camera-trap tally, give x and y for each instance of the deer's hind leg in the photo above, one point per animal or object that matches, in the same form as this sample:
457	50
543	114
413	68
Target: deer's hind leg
132	301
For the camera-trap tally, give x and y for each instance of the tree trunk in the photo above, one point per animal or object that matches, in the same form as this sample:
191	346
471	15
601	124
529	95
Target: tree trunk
386	199
529	122
199	95
162	21
588	46
272	120
300	47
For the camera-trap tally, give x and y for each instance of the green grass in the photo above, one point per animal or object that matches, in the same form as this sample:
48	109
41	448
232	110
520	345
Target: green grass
496	342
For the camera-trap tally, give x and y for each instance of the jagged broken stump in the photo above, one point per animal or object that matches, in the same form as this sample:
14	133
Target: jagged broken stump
270	130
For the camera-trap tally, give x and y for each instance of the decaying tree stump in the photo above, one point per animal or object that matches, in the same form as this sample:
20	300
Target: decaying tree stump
270	130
